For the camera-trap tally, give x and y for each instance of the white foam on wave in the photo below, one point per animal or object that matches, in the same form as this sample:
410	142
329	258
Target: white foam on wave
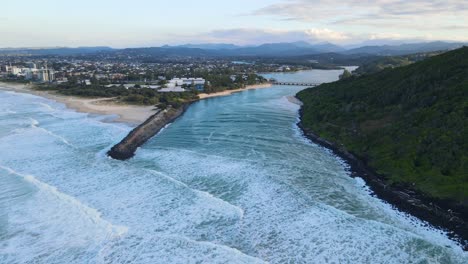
163	248
35	125
86	211
47	106
8	111
202	194
204	205
49	224
162	129
412	224
407	223
281	225
34	122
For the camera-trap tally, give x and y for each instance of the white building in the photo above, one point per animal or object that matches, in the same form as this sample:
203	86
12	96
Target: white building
43	75
187	81
46	75
51	75
14	70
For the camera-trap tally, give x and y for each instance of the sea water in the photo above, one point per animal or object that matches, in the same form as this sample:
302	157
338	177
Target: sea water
232	181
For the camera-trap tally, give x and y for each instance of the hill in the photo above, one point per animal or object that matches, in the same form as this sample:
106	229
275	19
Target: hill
404	49
291	49
269	49
380	63
207	46
408	125
61	51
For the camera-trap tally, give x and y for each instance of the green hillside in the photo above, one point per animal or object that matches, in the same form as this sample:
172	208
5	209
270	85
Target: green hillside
409	124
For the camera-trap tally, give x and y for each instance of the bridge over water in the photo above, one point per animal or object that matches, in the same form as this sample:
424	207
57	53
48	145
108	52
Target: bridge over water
297	84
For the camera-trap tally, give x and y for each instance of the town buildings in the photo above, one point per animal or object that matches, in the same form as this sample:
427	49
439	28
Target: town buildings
195	83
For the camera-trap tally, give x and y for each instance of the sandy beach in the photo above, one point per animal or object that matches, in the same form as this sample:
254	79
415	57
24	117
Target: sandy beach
133	114
229	92
104	106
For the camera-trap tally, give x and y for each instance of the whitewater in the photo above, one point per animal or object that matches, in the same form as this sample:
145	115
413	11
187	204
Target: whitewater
231	181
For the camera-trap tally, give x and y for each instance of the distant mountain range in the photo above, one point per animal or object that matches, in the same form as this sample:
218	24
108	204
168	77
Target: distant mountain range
207	46
404	49
291	49
269	49
53	51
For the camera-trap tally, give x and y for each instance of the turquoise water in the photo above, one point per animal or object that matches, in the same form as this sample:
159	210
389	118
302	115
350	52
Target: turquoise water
232	181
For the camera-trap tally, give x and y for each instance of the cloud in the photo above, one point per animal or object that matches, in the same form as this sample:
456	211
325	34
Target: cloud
243	36
327	34
249	36
427	14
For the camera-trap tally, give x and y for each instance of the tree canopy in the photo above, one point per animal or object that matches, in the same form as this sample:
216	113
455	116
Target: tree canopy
410	124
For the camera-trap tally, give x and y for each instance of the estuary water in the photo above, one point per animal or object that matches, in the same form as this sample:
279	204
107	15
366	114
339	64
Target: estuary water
232	181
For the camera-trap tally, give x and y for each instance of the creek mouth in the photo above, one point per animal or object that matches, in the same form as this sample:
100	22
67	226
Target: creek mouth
179	196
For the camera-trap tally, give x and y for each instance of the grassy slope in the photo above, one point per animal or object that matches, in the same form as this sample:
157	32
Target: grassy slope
409	124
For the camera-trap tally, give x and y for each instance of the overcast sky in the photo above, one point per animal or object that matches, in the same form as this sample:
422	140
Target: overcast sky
139	23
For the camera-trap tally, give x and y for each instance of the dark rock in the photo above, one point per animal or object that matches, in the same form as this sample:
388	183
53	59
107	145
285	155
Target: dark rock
448	215
140	135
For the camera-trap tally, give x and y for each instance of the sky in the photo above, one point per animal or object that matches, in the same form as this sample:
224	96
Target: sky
145	23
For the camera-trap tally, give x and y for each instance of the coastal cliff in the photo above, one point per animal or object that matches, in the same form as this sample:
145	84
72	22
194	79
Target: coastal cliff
141	134
446	214
404	131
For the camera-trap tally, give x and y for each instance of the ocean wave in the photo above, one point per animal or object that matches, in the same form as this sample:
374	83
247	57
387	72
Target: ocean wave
162	248
35	125
85	211
47	106
205	195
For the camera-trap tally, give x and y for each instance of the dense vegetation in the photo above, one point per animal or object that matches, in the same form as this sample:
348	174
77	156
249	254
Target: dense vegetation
140	96
381	63
221	82
409	124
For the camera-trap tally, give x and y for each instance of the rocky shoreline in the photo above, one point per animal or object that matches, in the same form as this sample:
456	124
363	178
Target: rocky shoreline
448	215
126	149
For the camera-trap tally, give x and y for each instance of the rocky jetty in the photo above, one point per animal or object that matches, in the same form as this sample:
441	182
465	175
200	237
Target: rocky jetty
140	135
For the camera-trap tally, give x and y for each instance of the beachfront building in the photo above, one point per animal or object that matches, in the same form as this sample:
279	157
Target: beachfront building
195	83
46	75
43	75
13	70
51	75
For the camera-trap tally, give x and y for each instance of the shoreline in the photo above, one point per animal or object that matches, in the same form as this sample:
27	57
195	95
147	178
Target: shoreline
126	113
442	214
203	96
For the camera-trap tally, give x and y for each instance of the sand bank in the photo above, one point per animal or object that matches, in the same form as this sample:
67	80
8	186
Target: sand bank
104	106
229	92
